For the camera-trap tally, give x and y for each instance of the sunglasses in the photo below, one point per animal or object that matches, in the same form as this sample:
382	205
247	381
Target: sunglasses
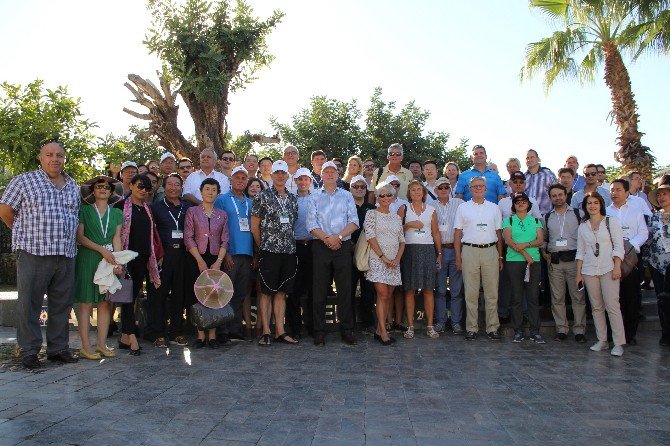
154	168
227	158
591	174
596	252
395	154
103	187
443	187
521	202
359	187
397	186
385	195
143	187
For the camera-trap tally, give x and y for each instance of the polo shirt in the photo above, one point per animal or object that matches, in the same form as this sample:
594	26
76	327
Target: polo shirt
478	222
404	175
168	218
494	184
523	231
239	242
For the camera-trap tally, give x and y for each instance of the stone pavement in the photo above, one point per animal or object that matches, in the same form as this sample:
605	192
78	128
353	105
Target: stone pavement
417	392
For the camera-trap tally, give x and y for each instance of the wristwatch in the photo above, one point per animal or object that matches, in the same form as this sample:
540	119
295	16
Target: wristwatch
339	236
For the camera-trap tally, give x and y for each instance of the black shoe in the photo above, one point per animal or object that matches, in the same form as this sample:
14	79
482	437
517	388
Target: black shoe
213	343
31	362
560	337
494	336
580	338
470	336
137	352
319	340
123	345
64	356
349	339
198	343
398	327
664	341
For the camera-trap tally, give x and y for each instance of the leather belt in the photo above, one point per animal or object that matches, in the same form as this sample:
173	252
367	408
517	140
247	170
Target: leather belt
303	242
175	245
448	245
474	245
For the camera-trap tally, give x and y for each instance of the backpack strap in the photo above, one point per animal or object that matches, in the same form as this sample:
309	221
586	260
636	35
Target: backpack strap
579	217
510	221
607	225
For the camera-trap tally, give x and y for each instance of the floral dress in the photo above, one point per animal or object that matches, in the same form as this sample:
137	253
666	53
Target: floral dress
387	230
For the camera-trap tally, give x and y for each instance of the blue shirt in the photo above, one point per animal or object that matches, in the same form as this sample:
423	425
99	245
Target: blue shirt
168	218
578	183
300	228
331	212
239	242
494	184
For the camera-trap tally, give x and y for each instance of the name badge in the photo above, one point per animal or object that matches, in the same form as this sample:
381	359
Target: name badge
283	219
442	228
244	224
177	234
420	232
626	231
666	244
562	242
108	247
481	227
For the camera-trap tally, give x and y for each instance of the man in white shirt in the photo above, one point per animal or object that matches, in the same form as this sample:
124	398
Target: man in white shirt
292	158
635	231
430	174
478	249
193	181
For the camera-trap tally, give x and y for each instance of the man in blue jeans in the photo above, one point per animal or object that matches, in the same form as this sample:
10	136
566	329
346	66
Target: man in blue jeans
446	212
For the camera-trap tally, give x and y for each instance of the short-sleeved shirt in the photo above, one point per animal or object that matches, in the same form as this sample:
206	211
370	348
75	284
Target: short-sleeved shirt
45	218
523	231
169	220
239	242
478	221
494	184
276	236
194	180
404	175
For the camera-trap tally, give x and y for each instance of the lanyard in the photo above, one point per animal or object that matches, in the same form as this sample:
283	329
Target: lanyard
562	223
237	211
175	220
106	226
282	202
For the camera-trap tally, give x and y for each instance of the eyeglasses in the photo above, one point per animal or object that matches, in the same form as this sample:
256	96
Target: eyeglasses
185	167
395	154
368	166
154	168
227	158
143	187
443	187
477	186
397	186
385	195
590	174
362	186
103	187
290	153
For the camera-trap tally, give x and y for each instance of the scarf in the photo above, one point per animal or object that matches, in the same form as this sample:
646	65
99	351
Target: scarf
125	236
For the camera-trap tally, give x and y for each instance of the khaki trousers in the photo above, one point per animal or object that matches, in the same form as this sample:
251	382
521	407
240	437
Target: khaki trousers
604	296
481	264
561	274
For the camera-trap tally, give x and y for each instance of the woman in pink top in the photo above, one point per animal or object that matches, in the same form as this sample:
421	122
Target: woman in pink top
206	239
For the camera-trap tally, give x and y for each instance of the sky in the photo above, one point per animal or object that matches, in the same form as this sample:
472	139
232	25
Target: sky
459	59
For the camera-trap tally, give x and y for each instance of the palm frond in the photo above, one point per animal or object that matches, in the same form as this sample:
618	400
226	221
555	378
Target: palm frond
555	9
590	64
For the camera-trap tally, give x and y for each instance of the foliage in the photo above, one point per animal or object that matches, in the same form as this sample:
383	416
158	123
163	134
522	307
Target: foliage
32	114
137	146
613	172
333	126
209	47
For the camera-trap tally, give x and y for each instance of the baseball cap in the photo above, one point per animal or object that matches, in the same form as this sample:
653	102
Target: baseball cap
391	178
128	164
442	180
239	169
302	172
167	155
358	178
517	176
279	166
519	196
328	164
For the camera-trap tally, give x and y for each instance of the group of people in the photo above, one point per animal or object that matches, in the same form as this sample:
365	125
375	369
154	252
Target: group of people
289	231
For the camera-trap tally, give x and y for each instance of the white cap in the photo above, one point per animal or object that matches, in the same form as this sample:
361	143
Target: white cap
358	178
391	178
239	169
442	180
302	172
329	164
128	164
279	166
167	155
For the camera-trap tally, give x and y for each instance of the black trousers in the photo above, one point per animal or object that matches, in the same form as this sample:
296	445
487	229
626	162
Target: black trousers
363	308
301	286
137	268
324	262
168	301
630	297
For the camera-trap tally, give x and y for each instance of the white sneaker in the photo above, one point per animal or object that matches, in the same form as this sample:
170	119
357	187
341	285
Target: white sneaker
617	350
600	346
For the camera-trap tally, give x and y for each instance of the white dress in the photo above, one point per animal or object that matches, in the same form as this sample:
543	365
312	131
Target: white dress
387	230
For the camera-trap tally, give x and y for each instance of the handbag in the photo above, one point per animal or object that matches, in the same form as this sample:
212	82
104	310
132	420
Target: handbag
205	318
629	261
362	253
123	295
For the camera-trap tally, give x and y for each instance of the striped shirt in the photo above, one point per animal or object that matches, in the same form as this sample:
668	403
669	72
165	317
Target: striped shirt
446	214
46	218
537	186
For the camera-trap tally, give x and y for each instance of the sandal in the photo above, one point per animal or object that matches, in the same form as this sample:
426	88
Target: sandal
264	340
161	342
431	333
409	334
282	339
107	353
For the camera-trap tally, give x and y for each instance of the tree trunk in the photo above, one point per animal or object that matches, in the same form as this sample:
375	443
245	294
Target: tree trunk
209	121
631	154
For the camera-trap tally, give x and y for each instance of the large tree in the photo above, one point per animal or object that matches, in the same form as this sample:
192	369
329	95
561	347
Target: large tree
31	114
597	32
209	49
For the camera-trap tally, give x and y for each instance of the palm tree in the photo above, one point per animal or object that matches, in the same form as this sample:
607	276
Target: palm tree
597	32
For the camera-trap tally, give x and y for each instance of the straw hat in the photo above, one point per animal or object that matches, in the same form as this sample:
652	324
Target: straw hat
88	197
213	288
653	194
